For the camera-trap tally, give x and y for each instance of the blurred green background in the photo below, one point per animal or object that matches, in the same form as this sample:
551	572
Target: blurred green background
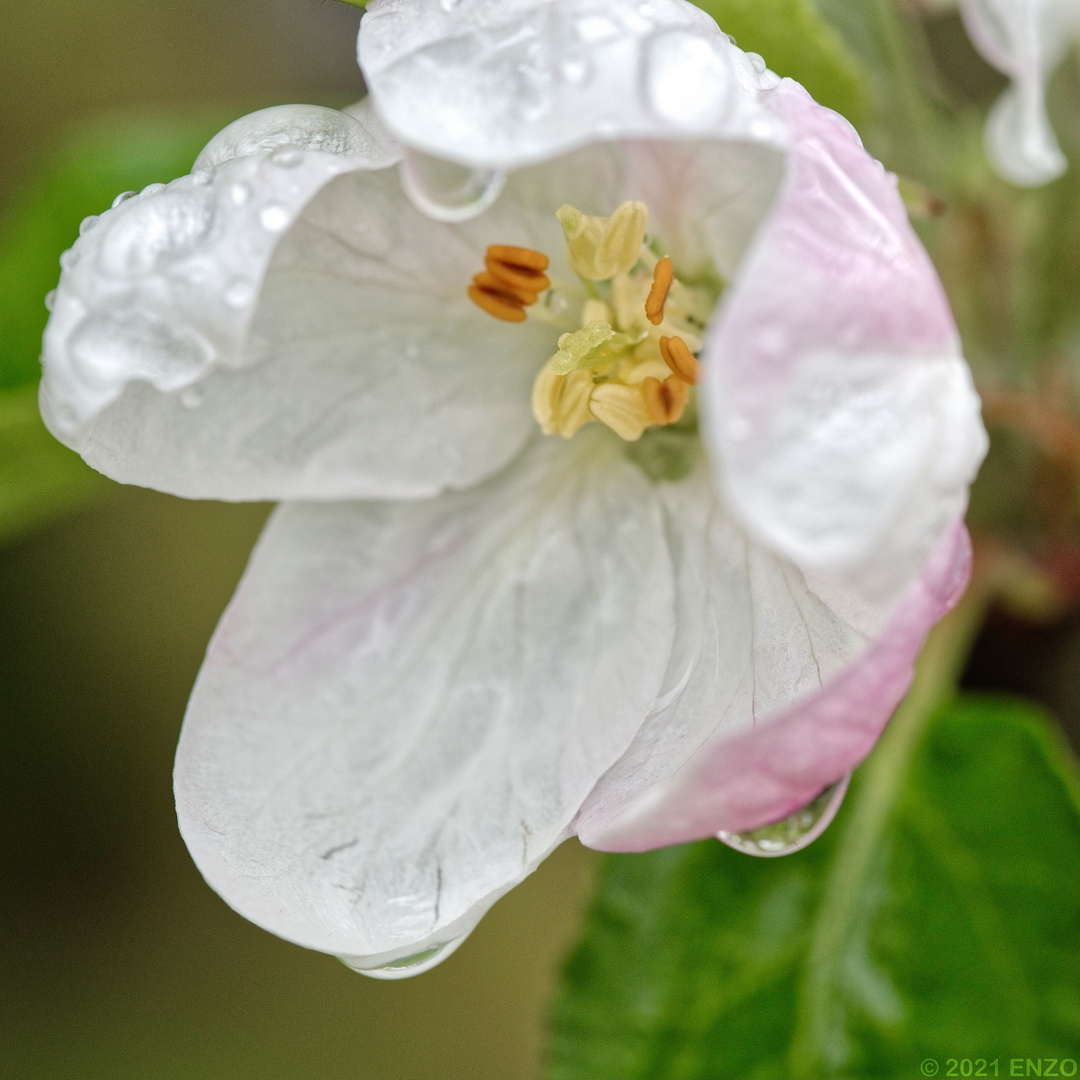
115	959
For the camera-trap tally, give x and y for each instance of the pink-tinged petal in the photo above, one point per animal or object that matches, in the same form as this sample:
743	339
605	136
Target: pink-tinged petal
840	416
766	773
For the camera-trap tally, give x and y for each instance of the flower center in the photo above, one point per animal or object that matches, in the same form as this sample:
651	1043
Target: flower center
632	363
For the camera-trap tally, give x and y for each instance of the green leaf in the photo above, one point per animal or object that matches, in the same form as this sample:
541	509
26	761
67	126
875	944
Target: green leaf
956	933
797	42
80	177
38	476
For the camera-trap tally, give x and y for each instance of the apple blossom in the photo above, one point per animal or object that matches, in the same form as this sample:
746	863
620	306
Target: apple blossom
623	439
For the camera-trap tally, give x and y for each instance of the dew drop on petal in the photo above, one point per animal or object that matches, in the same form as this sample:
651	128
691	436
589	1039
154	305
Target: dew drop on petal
758	62
239	192
239	292
407	966
449	5
287	157
115	347
687	82
68	259
202	177
576	72
445	191
795	831
148	236
50	299
273	217
123	197
153	189
88	223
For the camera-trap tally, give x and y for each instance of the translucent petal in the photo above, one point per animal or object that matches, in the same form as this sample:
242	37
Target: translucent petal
406	704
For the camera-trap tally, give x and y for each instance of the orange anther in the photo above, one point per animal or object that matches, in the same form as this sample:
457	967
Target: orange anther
495	283
520	277
513	280
663	275
680	359
499	304
664	401
518	256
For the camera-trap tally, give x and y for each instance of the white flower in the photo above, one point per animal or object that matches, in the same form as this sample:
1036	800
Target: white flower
460	640
1025	39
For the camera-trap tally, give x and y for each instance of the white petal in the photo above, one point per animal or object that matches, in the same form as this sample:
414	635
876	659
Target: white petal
753	636
1025	39
406	704
517	81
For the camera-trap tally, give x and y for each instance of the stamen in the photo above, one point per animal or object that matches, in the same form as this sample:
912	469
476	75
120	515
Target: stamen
663	275
495	302
512	282
665	401
677	355
521	267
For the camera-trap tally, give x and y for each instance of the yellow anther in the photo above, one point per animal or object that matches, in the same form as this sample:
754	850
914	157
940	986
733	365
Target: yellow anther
665	401
622	408
663	275
598	248
513	280
680	359
560	403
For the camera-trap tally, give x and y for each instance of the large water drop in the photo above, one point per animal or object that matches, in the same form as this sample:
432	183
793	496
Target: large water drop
795	831
448	192
407	966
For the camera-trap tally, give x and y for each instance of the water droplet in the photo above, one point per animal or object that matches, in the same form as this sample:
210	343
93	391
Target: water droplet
69	259
239	292
449	5
794	832
448	192
202	177
687	82
575	71
50	299
757	62
273	217
192	397
239	193
407	966
88	223
598	28
288	157
122	197
153	189
113	348
149	235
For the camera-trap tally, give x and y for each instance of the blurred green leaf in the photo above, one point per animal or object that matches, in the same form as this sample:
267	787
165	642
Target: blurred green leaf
38	476
962	941
80	177
797	42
